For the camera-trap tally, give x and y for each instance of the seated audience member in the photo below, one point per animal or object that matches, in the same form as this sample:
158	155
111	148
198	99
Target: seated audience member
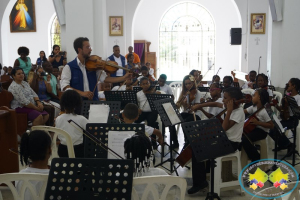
68	102
51	78
57	57
104	87
5	70
163	86
35	151
23	61
9	69
26	100
145	73
41	59
131	114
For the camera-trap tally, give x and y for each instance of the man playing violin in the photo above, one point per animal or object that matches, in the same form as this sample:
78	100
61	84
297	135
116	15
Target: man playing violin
76	76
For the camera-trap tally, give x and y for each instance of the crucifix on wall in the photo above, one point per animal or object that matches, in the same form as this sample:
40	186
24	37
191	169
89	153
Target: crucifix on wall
116	42
257	40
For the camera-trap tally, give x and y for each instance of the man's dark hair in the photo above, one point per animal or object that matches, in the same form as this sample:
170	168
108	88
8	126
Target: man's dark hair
144	68
78	43
131	111
24	50
234	92
69	101
253	71
116	46
163	76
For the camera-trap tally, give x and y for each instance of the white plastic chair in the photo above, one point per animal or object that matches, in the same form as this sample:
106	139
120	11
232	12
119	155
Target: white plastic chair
272	190
151	183
26	179
248	91
176	88
57	131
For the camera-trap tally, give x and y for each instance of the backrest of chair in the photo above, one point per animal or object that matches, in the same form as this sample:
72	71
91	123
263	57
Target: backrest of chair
151	183
58	131
5	98
248	91
278	96
26	183
176	89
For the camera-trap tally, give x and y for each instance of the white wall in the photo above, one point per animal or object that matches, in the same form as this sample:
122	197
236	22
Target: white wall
3	4
286	45
150	12
35	41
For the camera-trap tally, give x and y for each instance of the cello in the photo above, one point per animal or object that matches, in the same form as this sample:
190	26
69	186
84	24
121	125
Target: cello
185	156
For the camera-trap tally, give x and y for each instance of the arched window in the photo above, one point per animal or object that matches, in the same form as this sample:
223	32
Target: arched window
55	32
186	41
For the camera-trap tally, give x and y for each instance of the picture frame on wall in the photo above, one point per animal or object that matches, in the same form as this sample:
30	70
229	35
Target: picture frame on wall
258	23
115	25
22	17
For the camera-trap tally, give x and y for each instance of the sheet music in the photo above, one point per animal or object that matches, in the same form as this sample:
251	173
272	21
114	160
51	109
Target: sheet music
98	113
171	113
116	141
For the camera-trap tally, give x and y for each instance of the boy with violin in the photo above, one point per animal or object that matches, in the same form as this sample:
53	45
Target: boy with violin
76	75
163	86
233	126
250	84
288	119
144	106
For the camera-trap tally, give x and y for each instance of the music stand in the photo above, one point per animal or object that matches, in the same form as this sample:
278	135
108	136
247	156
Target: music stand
166	123
136	89
124	97
82	178
208	141
203	89
114	109
100	131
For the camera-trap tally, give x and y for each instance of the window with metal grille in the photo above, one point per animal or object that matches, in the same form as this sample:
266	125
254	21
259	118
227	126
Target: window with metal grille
55	32
186	41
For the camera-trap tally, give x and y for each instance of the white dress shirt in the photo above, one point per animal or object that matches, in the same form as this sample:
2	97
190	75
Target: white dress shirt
119	61
66	76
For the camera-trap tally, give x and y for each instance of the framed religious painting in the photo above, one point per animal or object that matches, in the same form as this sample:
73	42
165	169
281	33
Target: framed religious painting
115	25
22	17
258	23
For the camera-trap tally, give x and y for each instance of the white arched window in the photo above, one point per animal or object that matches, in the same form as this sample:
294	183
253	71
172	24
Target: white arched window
55	32
186	41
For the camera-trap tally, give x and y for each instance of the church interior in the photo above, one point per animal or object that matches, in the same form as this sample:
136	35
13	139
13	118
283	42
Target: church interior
149	99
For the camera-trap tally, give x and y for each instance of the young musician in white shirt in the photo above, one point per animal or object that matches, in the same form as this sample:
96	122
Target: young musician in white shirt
163	86
252	76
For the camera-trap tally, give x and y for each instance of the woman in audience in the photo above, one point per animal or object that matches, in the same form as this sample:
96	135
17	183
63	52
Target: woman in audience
70	101
42	58
57	58
26	100
23	61
51	78
35	151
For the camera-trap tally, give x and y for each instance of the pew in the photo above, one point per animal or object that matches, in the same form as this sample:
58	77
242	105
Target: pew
8	139
6	80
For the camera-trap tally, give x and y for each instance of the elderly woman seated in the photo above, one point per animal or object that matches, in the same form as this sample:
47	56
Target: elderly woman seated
26	100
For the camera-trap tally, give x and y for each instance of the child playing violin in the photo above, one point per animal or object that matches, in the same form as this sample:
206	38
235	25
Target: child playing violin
215	79
293	88
189	96
198	77
145	73
262	82
260	98
252	76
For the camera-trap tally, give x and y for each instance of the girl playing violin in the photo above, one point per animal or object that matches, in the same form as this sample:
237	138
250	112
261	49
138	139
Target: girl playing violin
260	98
262	82
145	73
293	88
198	77
189	96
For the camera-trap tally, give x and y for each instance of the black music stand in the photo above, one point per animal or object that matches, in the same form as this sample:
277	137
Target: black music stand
136	89
82	178
124	97
100	131
203	89
113	111
208	141
166	123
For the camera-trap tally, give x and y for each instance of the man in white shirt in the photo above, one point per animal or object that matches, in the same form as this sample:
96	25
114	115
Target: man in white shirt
75	75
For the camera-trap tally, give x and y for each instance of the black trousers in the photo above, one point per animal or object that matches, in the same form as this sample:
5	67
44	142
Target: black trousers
198	168
187	117
150	117
256	135
63	151
283	141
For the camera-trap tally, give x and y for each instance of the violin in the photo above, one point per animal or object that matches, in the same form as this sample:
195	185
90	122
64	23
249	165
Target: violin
248	126
95	62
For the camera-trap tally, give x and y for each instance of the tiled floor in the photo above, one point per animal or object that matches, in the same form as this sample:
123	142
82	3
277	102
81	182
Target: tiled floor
187	174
